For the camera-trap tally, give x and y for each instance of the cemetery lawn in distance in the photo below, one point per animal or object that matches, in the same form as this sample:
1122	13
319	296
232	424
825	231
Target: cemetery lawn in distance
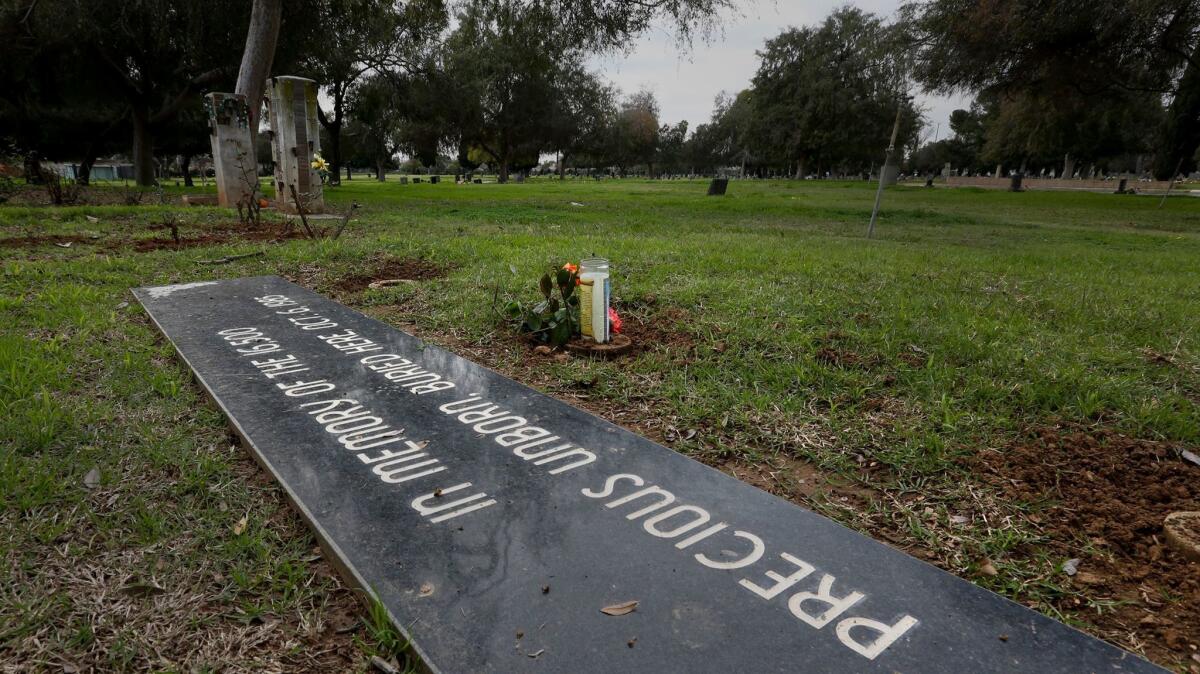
997	383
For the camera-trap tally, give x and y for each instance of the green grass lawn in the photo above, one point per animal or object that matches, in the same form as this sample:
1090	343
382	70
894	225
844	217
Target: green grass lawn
883	382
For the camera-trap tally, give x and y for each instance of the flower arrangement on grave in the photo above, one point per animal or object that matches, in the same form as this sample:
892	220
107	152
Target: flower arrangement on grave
321	166
555	319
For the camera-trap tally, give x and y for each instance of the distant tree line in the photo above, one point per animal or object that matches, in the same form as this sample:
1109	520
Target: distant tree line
1057	84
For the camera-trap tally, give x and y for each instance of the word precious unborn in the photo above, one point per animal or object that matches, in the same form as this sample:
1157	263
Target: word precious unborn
359	429
685	518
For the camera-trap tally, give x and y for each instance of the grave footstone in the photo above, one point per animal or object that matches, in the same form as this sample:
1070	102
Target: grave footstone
232	150
295	139
505	531
717	187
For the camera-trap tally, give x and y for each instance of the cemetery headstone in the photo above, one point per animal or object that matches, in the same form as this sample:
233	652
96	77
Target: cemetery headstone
718	186
295	139
1014	184
232	149
505	531
435	179
403	180
478	181
1123	186
416	179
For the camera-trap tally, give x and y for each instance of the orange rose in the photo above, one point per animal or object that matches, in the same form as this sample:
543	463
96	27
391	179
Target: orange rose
574	269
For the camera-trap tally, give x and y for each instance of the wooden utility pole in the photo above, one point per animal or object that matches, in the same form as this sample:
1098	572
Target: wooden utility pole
891	151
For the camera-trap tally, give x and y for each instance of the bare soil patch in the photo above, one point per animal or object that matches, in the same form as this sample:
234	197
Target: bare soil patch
409	269
1107	496
208	238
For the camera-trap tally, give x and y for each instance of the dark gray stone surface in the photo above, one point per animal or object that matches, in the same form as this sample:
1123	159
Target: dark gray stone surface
514	577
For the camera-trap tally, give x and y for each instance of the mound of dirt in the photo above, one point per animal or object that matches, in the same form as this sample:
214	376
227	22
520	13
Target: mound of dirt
1107	496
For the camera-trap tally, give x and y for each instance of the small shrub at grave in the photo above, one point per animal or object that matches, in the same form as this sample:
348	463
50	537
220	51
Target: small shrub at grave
554	320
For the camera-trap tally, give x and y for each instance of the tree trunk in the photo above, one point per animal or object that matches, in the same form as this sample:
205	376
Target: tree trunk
143	149
84	176
335	153
503	177
1068	167
799	169
1180	134
379	170
185	165
348	176
257	57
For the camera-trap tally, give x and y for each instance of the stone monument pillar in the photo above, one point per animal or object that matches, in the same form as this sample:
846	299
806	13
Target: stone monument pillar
295	138
232	149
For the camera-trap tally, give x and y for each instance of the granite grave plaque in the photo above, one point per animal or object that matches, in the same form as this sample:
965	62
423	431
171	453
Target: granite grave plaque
500	527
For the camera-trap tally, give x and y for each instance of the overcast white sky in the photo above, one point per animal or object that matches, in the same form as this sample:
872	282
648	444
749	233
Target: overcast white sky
686	81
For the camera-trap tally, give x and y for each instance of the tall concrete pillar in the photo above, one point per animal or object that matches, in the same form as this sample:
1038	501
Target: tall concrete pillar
295	139
232	149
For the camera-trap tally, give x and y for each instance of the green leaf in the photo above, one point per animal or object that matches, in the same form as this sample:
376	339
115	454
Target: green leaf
560	333
568	289
545	285
564	277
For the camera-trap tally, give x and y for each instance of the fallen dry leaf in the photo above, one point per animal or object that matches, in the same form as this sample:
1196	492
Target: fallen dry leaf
143	589
988	569
92	218
240	525
92	479
620	609
426	589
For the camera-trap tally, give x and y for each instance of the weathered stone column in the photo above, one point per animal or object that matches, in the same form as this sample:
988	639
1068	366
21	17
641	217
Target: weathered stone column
295	138
232	149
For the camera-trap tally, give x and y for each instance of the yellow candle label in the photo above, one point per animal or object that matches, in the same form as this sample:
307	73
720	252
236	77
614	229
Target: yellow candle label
585	307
